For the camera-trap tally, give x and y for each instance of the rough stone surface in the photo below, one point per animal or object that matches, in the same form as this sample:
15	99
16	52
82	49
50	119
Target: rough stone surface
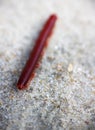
62	95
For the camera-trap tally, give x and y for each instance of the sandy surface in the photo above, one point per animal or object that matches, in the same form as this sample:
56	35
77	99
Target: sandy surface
62	95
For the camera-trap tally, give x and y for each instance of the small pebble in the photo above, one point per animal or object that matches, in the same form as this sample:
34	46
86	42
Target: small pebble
59	67
70	68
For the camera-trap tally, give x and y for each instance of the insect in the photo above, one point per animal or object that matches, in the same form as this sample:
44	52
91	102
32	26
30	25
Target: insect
37	53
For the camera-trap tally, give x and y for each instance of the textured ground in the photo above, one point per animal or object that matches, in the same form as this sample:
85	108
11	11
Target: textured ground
62	95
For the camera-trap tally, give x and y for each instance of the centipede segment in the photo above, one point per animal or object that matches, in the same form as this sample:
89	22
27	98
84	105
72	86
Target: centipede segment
37	52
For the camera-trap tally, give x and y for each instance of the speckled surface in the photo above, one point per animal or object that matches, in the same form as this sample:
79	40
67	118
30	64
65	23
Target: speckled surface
62	95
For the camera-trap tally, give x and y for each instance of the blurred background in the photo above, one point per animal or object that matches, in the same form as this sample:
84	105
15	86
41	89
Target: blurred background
62	95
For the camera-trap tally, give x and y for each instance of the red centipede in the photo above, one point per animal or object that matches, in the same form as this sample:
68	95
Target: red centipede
37	52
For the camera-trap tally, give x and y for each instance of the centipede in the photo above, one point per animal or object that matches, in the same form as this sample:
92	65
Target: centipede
28	72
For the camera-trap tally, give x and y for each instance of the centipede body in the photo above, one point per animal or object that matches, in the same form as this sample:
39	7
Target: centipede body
29	70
